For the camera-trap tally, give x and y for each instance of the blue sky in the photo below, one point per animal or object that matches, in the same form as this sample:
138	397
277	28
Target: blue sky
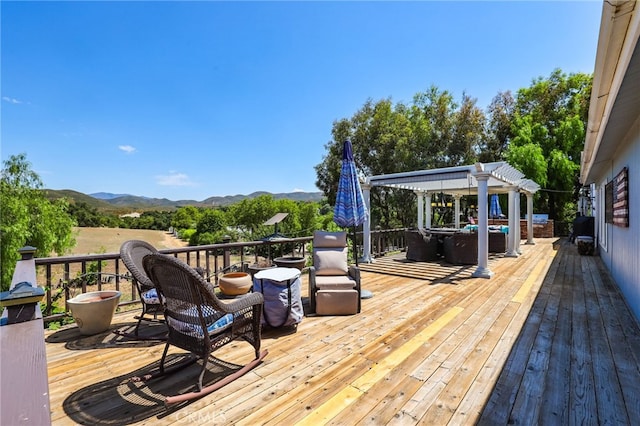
187	100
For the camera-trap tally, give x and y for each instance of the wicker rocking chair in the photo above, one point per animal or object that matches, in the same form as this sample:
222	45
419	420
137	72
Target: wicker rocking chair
199	322
132	252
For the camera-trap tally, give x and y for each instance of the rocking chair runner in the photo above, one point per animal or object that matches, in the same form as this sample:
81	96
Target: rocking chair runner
132	252
198	321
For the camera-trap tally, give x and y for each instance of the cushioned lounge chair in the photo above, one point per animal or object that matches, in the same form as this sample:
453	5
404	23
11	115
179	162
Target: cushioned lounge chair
334	286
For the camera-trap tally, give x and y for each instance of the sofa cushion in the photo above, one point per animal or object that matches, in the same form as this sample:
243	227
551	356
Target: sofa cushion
329	239
330	261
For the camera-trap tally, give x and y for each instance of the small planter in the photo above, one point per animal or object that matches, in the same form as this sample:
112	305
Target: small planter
291	262
235	283
94	311
585	245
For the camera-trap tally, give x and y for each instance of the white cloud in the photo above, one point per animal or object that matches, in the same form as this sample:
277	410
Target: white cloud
11	100
174	179
298	190
126	148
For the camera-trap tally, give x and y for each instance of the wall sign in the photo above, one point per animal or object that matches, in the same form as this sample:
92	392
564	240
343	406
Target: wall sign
621	199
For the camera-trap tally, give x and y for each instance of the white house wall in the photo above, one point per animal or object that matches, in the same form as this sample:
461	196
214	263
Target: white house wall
622	252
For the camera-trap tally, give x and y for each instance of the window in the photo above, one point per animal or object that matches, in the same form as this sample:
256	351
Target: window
601	207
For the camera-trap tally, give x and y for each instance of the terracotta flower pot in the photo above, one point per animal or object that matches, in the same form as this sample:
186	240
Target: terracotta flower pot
94	311
235	283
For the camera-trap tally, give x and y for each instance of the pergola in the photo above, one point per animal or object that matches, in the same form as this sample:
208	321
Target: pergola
478	179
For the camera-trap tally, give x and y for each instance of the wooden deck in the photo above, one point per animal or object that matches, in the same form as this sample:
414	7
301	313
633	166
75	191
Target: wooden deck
547	340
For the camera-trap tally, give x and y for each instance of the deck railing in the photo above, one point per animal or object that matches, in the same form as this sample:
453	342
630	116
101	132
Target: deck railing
65	276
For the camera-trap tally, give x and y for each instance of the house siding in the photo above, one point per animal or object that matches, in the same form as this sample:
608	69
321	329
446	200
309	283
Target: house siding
622	256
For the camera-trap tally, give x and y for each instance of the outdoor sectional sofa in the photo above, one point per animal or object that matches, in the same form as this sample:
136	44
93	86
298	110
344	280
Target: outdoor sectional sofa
421	246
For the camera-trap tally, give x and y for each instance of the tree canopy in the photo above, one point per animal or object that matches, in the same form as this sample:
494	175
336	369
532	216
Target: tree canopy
433	131
540	131
548	130
28	217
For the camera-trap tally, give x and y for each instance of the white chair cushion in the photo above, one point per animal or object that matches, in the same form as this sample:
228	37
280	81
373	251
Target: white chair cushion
335	282
329	239
330	261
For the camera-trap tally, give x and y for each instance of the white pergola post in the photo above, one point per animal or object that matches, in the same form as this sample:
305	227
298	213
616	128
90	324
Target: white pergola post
483	271
366	226
518	233
420	196
456	199
427	218
511	240
530	218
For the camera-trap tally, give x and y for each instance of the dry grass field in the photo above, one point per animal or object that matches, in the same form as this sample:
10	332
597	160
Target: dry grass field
108	240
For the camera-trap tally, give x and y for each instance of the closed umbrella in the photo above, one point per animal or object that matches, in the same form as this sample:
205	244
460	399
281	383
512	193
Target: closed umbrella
494	207
350	210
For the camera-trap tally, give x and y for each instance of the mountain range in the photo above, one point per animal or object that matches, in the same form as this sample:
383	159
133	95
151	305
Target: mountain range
109	201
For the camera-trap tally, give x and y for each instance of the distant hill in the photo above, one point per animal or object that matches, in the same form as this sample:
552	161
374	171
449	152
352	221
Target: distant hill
295	196
78	197
119	202
106	195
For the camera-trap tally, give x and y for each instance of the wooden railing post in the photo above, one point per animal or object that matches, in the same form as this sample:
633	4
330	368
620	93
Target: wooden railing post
226	258
23	359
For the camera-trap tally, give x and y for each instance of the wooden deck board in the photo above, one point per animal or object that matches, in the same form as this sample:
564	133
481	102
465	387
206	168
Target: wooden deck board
554	407
547	340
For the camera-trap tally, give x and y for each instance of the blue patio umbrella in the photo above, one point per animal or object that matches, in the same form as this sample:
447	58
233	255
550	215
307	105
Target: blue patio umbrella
350	209
494	207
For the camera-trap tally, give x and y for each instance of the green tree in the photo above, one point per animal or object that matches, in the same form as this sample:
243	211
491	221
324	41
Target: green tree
186	218
309	218
467	134
249	215
28	217
85	215
433	131
552	115
88	216
498	133
211	227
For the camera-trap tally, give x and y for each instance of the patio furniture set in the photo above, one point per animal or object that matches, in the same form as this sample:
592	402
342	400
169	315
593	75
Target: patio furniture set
199	320
455	246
